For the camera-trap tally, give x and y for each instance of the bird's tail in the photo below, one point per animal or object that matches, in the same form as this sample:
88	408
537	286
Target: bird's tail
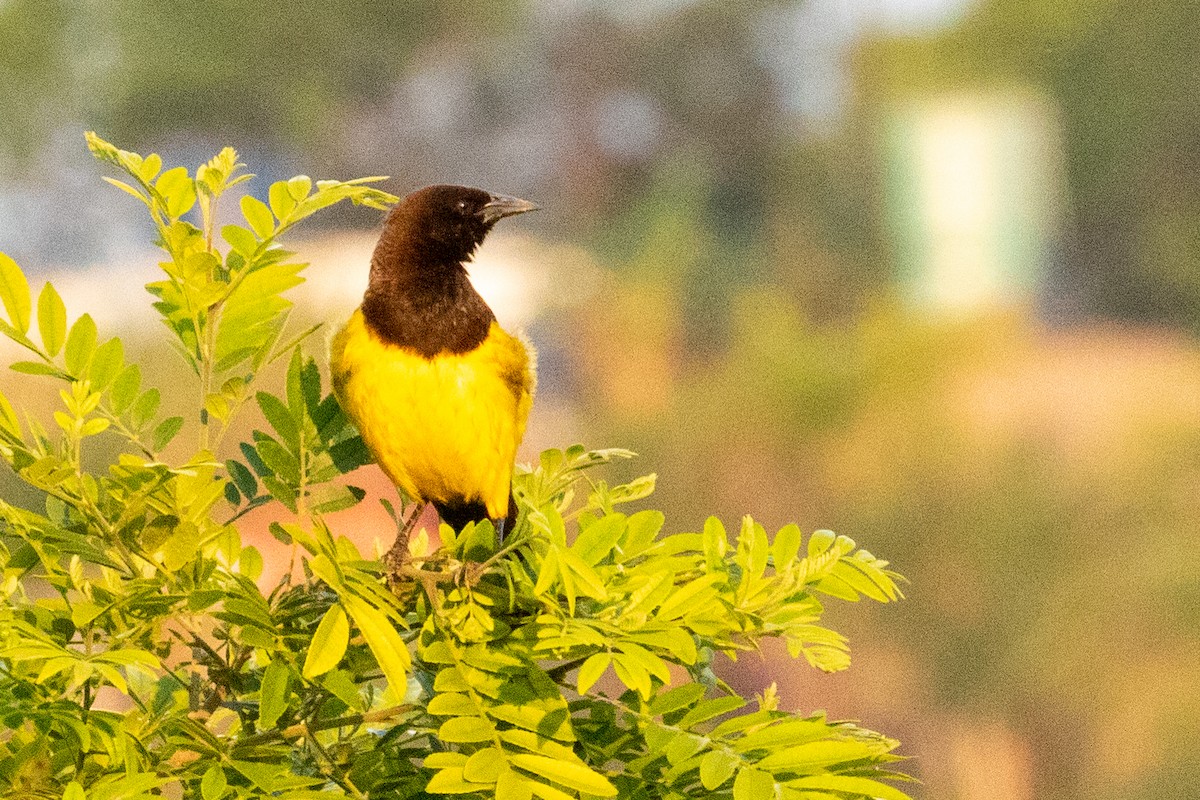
458	514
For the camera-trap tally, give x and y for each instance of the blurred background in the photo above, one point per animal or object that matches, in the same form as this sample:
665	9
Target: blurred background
925	272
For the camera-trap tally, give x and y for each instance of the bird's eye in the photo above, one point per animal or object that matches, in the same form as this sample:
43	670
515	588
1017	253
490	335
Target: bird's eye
462	205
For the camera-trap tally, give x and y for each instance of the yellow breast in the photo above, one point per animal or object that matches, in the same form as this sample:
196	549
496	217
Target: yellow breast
444	428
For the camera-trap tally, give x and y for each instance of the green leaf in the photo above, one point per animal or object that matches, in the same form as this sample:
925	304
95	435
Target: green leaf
273	694
753	784
690	597
383	640
214	783
572	774
165	431
591	670
328	644
8	417
786	546
74	791
849	785
280	460
106	363
151	165
485	765
820	541
145	408
299	187
445	758
708	709
464	730
259	216
716	767
512	785
281	199
178	190
94	426
350	454
52	319
330	497
14	292
81	341
451	781
125	187
250	563
264	776
681	697
684	746
240	239
815	756
597	540
281	420
34	368
342	686
452	704
125	387
243	478
633	673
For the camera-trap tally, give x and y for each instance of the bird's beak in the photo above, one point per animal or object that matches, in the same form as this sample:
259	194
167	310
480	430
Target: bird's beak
501	206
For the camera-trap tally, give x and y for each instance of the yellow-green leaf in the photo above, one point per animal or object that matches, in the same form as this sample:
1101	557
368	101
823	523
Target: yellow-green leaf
716	767
466	729
813	756
81	341
753	784
214	783
94	426
328	643
452	704
786	546
106	363
281	199
273	694
451	781
8	417
385	643
299	187
165	431
574	775
240	239
485	765
259	216
178	191
14	292
591	671
52	319
849	785
512	785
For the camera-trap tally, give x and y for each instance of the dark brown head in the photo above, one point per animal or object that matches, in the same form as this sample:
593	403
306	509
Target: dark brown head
442	225
419	295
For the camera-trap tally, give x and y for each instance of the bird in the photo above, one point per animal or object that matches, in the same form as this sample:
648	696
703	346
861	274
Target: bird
438	390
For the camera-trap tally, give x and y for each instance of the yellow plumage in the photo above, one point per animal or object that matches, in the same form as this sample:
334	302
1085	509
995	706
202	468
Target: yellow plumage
445	427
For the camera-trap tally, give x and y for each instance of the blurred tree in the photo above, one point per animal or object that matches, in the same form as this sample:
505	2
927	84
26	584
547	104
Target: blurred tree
1124	82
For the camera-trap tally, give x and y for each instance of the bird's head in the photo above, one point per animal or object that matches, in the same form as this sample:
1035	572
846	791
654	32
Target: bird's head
445	224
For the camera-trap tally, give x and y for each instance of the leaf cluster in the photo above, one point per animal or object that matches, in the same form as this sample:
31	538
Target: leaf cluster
142	654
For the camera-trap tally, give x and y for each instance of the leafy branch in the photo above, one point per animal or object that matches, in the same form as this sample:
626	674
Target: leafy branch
575	660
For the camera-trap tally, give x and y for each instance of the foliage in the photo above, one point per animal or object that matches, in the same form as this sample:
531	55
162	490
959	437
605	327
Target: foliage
139	657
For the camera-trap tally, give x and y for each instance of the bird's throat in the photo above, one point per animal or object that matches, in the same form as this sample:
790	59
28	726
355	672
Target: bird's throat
428	308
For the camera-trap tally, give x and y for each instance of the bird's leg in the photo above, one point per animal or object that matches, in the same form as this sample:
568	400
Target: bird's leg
396	558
